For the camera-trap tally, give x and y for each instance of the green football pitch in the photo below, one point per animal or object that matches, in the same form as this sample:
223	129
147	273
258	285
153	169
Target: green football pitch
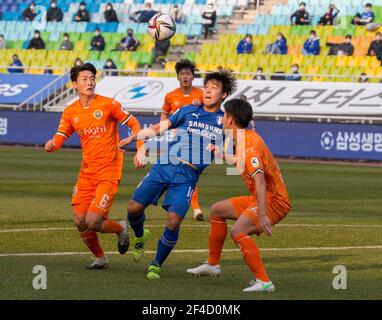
336	220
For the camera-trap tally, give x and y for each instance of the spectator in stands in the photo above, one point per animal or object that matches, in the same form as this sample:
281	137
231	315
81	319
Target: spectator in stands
301	16
3	43
245	45
328	18
144	15
54	13
177	15
36	42
128	43
279	46
312	45
15	63
82	14
365	17
66	44
342	49
78	62
110	14
363	78
110	65
98	41
209	19
160	51
375	48
259	74
295	74
30	13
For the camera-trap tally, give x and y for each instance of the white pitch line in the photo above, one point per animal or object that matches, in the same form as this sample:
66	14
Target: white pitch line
40	254
288	225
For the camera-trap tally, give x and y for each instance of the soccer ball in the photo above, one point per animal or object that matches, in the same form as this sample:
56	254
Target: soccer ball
161	27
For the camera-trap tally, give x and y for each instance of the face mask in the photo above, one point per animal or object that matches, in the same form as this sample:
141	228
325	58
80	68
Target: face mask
294	69
54	5
378	38
97	34
36	36
363	78
210	7
302	8
108	64
82	8
279	38
312	37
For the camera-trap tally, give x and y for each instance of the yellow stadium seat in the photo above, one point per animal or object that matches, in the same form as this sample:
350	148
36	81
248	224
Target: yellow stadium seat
374	62
131	65
342	61
152	74
364	61
125	56
298	59
370	71
353	62
294	50
170	66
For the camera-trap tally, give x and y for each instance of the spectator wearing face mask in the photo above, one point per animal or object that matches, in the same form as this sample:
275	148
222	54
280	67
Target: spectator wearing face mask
295	75
82	14
209	19
365	17
279	46
328	18
144	15
128	43
66	44
259	74
98	41
30	13
301	16
15	63
78	62
343	49
177	15
311	45
375	48
110	68
54	13
36	42
245	45
363	78
110	14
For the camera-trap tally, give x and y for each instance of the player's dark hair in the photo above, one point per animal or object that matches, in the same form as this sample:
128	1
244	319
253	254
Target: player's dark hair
185	64
240	110
226	77
75	71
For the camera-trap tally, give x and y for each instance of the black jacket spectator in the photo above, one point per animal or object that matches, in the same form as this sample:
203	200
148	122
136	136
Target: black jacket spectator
375	48
110	14
110	65
82	14
98	41
209	17
54	13
346	47
66	44
128	43
144	15
36	42
30	13
301	16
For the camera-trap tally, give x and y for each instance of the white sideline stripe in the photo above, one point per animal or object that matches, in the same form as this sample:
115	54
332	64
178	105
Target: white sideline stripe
207	226
187	251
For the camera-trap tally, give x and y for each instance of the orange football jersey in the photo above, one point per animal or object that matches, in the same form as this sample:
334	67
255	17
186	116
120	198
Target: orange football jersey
97	128
175	99
256	158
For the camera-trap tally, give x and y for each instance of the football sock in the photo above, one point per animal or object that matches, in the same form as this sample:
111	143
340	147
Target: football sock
195	199
110	226
216	238
90	238
251	255
166	242
136	223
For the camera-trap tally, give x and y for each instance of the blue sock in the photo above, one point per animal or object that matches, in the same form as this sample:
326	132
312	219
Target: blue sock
166	242
136	223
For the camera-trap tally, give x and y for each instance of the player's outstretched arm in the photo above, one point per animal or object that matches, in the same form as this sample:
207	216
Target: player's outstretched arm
261	195
146	134
55	143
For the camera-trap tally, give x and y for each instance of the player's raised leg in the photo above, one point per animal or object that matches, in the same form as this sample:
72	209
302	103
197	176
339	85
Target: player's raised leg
219	212
240	232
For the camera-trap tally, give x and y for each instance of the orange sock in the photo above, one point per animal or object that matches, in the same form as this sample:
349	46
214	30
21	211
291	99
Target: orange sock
90	238
251	255
195	199
216	238
110	226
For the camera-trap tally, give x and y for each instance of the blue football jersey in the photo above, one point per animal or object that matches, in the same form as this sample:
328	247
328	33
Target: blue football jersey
195	129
